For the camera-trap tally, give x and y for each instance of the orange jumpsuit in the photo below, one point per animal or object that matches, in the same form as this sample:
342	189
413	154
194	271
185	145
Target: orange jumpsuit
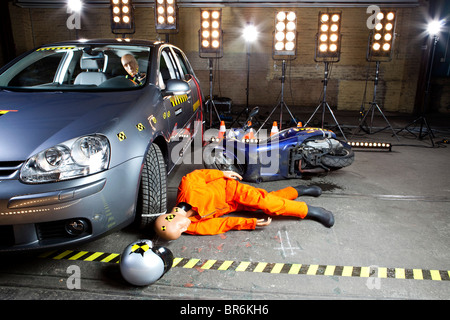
212	196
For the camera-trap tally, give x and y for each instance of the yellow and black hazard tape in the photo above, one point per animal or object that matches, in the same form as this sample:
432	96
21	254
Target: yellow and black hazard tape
55	48
314	269
81	255
265	267
179	99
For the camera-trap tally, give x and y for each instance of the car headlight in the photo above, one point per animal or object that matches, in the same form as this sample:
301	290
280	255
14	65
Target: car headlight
72	159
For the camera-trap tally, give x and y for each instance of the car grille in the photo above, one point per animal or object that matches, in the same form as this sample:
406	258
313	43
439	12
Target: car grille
47	233
48	230
56	230
8	169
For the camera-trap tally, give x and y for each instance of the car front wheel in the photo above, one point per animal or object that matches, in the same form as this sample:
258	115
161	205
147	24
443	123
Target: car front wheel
152	197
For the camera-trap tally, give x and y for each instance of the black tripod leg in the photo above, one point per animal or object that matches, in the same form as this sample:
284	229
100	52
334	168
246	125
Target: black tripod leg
239	115
429	131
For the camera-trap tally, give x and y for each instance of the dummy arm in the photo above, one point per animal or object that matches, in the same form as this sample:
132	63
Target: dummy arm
221	225
206	175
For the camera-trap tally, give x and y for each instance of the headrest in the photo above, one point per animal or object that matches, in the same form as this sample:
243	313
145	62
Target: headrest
91	62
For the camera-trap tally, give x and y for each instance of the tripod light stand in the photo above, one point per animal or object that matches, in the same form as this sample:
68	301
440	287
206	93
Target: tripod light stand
374	106
211	47
324	104
209	104
422	119
328	50
284	48
379	48
281	104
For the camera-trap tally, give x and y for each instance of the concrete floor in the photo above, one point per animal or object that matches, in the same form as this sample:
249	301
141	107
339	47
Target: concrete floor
392	216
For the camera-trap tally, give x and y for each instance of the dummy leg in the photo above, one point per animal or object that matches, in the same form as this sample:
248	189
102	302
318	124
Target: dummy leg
314	213
293	193
314	191
289	193
321	215
280	203
274	203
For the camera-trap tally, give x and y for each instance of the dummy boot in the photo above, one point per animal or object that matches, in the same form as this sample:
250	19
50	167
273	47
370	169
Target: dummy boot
321	215
314	191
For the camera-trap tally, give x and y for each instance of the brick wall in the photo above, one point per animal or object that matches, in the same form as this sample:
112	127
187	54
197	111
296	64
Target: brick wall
303	87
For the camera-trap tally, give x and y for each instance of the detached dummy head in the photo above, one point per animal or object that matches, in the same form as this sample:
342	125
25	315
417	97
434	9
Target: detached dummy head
170	226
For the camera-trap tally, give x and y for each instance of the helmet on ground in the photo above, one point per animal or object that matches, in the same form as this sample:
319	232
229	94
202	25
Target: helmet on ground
142	264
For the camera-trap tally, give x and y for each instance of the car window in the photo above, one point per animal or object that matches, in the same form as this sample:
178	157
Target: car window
183	64
167	68
79	67
39	72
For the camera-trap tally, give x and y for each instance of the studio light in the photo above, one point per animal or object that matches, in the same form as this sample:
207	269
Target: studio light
250	33
434	27
285	35
210	34
75	5
122	17
381	38
328	38
166	20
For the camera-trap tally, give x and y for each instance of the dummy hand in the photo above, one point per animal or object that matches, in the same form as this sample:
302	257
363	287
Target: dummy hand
263	222
232	175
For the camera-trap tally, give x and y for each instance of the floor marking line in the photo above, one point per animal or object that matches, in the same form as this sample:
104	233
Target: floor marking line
266	267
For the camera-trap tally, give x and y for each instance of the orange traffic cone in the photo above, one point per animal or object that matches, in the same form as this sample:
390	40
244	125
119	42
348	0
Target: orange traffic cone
250	134
299	125
222	130
274	129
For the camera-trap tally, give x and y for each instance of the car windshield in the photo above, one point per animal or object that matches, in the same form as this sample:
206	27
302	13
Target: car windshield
79	67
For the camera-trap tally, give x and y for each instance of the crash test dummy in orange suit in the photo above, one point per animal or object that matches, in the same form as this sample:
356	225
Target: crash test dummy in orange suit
204	196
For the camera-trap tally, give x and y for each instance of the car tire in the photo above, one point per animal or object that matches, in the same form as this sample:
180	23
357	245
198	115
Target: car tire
152	197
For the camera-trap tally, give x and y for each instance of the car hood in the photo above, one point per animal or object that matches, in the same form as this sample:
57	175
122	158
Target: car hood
33	121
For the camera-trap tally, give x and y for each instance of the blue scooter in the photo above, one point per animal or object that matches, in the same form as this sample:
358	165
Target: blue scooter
289	153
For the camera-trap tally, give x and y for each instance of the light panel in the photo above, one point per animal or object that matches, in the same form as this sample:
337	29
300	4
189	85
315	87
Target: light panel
285	35
166	15
328	42
381	38
370	145
122	16
210	34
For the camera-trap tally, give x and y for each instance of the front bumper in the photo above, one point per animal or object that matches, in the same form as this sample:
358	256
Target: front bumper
39	216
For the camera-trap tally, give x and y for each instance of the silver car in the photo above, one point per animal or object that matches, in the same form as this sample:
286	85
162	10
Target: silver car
88	139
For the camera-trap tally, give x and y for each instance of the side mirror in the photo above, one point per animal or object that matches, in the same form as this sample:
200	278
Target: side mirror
175	86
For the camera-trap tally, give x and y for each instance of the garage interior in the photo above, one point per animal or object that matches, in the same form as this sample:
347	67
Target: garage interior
391	207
